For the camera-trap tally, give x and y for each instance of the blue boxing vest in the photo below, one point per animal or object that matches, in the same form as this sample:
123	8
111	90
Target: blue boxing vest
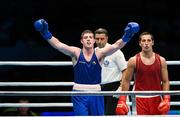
87	72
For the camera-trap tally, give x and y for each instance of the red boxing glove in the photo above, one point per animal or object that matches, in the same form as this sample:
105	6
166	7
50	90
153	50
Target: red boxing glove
164	106
122	107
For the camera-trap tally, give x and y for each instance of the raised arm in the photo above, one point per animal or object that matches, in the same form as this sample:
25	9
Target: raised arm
42	26
129	32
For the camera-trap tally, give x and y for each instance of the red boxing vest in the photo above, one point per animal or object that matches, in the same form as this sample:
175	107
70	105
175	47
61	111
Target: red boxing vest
148	77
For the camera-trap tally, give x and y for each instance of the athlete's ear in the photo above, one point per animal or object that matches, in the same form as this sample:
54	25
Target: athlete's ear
152	42
139	43
81	40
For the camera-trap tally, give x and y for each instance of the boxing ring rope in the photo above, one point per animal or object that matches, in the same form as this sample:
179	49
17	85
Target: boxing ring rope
55	63
69	93
54	104
36	104
37	63
37	83
76	93
82	93
55	83
93	93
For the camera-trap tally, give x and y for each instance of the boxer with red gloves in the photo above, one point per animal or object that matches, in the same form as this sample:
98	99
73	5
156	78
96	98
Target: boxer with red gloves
164	106
150	74
122	107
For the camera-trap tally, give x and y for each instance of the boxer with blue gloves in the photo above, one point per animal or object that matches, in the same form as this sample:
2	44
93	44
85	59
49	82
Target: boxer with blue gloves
130	30
87	65
42	26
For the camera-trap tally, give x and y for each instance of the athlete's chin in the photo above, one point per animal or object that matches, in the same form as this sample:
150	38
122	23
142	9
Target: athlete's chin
89	47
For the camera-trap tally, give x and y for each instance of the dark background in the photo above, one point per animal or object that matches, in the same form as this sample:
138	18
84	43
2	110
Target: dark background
67	19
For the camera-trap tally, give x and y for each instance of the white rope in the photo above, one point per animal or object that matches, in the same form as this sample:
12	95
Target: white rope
37	63
36	83
55	83
55	104
41	104
173	62
80	93
55	63
36	104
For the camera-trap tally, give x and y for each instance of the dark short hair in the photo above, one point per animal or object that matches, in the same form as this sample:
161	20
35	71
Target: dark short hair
86	31
101	31
146	33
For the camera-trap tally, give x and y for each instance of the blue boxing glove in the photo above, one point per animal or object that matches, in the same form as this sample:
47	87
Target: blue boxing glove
42	26
130	30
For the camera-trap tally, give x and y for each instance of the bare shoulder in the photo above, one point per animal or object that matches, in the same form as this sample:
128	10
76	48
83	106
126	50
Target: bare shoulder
132	61
163	60
76	51
99	53
76	55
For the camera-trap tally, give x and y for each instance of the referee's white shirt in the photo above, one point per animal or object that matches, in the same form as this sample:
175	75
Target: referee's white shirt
112	67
